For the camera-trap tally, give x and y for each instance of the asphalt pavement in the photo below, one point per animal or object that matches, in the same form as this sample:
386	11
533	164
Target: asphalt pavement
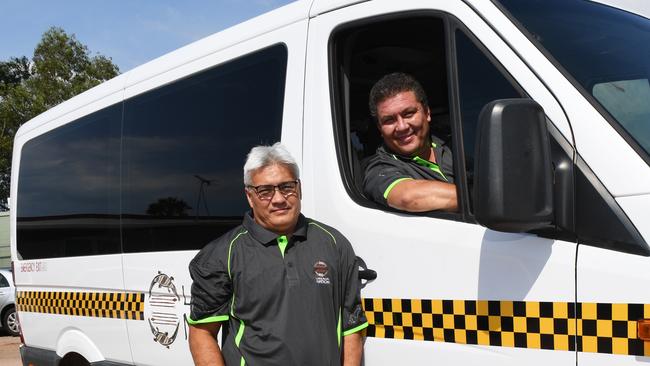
9	354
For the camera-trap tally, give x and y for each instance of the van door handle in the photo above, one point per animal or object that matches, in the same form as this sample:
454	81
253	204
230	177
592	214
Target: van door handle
367	274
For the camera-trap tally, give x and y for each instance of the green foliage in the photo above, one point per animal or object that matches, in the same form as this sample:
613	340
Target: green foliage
61	68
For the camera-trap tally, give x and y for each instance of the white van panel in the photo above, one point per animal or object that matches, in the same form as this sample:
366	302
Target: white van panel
92	272
615	163
107	335
636	209
440	353
416	257
609	277
73	340
624	276
160	303
323	6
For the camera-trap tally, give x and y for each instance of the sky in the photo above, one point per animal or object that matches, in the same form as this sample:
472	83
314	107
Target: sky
131	32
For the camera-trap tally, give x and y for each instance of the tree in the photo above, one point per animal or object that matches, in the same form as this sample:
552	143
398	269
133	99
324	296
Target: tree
169	207
60	68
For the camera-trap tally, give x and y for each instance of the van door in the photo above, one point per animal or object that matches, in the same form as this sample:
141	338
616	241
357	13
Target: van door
448	291
186	135
602	52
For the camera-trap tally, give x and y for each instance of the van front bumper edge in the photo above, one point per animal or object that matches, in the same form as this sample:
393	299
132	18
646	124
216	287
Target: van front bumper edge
38	356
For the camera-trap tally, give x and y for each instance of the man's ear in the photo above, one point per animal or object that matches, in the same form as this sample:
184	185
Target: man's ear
428	112
249	198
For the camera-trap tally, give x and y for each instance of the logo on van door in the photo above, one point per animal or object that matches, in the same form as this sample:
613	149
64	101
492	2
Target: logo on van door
163	319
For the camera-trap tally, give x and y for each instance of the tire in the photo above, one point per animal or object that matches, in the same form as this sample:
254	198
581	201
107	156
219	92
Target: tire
10	322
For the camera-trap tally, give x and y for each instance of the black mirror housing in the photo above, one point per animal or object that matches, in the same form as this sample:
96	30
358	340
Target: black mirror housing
513	175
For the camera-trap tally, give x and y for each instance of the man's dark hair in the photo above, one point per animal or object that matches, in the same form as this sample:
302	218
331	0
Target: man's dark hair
392	84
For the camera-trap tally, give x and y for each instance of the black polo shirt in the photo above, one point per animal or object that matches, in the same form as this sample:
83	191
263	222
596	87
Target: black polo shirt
385	169
286	302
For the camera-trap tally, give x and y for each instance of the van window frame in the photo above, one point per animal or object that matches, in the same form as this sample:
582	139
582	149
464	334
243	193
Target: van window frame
341	124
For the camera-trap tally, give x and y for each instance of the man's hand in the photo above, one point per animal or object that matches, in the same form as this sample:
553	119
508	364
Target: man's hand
203	345
421	195
352	349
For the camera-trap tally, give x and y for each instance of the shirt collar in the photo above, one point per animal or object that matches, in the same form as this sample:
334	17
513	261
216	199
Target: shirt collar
267	237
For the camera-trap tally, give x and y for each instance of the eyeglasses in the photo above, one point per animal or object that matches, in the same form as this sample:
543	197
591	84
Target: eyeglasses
265	192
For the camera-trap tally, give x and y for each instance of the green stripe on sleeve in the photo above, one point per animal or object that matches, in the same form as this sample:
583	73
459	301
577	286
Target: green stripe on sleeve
212	319
392	185
356	329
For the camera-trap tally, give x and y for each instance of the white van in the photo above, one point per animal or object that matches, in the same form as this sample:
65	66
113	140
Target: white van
115	190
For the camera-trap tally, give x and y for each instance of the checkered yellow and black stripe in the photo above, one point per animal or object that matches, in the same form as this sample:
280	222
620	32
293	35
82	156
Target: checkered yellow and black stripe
585	327
119	305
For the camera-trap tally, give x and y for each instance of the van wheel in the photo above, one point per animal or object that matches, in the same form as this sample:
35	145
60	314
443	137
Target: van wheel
74	359
10	322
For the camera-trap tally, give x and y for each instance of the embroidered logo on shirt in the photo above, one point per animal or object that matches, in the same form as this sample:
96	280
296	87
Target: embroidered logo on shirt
321	270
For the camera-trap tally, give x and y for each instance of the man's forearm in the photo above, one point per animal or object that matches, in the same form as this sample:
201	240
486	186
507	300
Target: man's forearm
204	348
352	349
418	195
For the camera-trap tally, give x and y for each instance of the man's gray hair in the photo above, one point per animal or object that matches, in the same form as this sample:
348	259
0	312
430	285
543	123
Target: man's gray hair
263	156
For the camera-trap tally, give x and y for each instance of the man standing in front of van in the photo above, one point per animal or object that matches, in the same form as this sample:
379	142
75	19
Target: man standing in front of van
413	170
284	287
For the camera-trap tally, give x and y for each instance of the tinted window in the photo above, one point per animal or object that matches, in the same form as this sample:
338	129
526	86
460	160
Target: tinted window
68	189
3	281
606	50
184	149
479	82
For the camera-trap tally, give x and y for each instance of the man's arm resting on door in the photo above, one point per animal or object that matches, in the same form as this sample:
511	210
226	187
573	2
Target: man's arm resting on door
421	195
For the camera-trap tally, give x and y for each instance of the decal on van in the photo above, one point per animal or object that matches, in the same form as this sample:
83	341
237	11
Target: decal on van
164	281
119	305
589	327
161	313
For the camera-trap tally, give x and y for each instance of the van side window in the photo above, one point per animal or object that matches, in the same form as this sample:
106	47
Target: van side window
458	84
362	54
479	82
3	281
184	145
68	191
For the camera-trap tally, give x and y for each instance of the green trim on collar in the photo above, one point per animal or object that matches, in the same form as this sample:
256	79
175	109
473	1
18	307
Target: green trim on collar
427	164
282	243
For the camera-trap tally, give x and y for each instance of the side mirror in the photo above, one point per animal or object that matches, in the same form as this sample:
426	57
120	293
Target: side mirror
513	175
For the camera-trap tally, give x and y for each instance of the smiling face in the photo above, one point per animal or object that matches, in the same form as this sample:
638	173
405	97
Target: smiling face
404	124
279	214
